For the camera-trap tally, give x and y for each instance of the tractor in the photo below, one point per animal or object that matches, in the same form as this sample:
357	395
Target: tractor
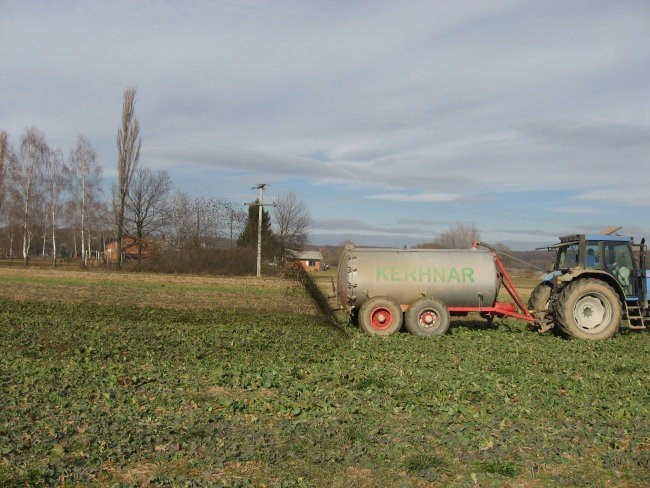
597	281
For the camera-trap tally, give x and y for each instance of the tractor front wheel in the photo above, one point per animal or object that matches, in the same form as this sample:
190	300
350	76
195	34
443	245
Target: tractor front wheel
588	309
538	306
381	316
538	302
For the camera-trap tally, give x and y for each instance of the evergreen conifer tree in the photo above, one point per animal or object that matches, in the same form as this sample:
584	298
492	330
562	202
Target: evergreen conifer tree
248	237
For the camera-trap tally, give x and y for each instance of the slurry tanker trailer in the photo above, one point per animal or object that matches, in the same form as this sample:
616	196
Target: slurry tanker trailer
597	281
422	288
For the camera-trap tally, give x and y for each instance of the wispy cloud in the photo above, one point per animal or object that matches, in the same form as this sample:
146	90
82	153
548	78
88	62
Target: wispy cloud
469	111
574	210
627	195
416	197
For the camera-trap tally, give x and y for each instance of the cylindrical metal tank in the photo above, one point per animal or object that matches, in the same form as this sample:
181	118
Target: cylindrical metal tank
460	278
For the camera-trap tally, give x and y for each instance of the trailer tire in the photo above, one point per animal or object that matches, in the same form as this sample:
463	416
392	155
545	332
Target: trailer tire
380	316
588	309
427	317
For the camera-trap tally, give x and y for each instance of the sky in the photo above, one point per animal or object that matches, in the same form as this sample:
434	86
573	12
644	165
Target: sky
391	120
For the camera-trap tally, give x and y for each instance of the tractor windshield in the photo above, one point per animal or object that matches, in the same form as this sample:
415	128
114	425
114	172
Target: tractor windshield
567	256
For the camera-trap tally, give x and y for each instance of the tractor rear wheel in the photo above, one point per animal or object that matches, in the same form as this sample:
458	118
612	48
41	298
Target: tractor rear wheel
427	317
588	309
381	316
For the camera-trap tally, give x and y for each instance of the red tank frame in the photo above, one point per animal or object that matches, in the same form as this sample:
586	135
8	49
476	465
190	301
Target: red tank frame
516	310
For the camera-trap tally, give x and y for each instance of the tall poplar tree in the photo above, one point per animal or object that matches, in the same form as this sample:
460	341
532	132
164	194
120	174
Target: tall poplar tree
4	155
128	155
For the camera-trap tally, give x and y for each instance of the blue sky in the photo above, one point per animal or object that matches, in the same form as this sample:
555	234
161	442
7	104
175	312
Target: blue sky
390	119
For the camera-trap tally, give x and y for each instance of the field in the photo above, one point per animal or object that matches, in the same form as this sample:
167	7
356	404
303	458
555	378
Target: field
159	380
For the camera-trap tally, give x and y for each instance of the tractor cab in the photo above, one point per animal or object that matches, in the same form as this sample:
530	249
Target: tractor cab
613	255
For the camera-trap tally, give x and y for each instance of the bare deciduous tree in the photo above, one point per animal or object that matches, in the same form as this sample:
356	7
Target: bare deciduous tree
128	155
201	222
57	181
293	220
99	226
200	233
146	204
178	223
86	173
26	187
195	220
235	216
458	236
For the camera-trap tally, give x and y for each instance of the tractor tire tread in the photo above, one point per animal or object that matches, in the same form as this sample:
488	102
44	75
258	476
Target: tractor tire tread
564	310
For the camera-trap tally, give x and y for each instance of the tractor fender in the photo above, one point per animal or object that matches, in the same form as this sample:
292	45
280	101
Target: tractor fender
560	281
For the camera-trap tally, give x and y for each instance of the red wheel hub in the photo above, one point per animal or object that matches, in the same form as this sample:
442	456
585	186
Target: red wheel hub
428	318
381	318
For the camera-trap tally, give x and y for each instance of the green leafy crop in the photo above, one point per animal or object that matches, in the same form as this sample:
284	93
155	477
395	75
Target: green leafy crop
124	395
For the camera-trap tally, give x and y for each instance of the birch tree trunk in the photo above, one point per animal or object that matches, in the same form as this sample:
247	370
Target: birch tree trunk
11	243
53	245
33	150
84	259
87	173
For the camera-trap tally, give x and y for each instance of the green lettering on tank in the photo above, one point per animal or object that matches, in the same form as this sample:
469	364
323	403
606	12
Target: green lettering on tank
381	274
439	275
410	273
453	276
396	273
424	274
468	275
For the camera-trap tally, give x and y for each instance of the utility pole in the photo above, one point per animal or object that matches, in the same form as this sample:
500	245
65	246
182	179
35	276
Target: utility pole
260	205
259	229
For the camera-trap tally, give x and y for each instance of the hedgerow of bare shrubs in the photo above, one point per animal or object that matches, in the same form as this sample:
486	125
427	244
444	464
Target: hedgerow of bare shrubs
234	261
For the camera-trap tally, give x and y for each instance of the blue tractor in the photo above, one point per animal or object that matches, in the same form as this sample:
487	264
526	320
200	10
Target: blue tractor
597	281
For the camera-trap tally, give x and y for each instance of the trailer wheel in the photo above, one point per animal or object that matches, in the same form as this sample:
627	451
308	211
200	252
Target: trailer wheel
427	317
381	316
588	309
